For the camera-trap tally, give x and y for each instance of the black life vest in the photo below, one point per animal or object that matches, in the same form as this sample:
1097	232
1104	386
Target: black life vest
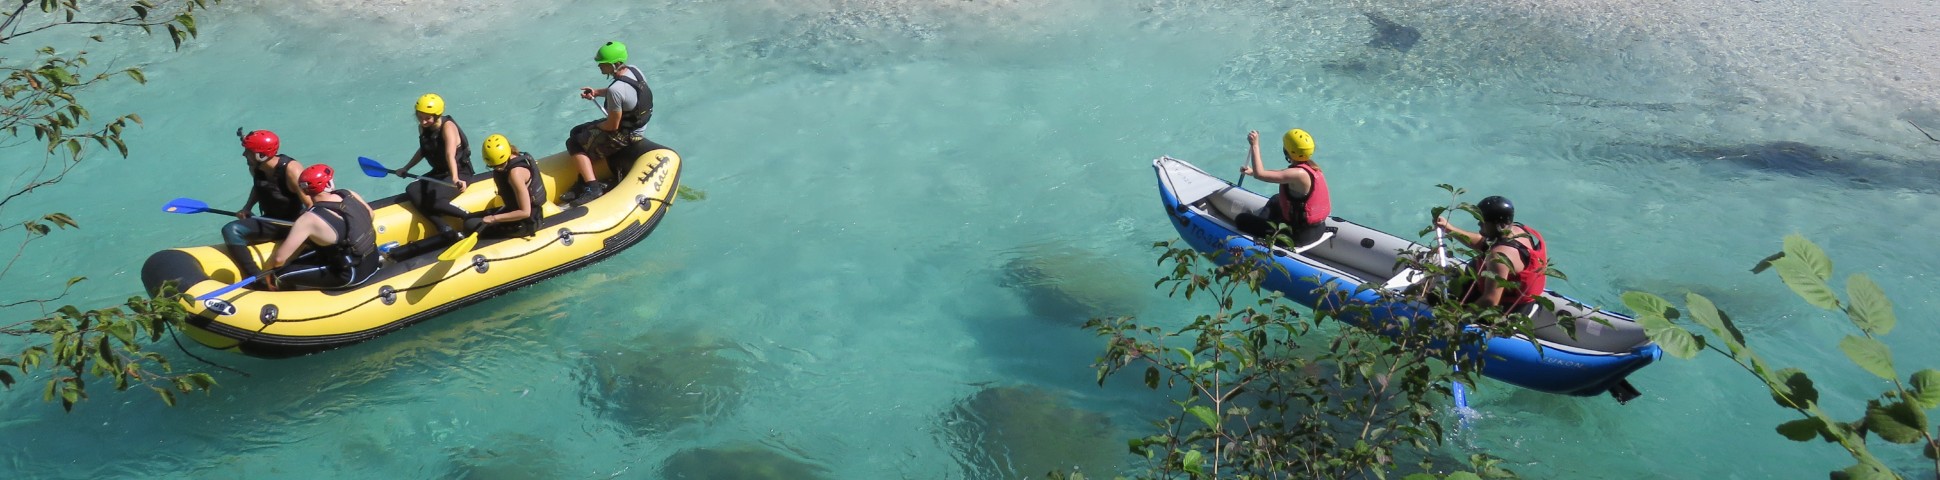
356	234
534	186
642	111
431	145
272	191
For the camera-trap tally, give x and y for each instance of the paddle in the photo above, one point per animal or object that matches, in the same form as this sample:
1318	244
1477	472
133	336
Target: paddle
185	205
1460	391
459	249
232	287
377	170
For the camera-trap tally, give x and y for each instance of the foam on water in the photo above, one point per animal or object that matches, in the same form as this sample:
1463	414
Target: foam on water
909	202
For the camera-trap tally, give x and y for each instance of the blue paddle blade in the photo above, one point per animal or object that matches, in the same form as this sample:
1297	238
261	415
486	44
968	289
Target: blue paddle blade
185	205
372	168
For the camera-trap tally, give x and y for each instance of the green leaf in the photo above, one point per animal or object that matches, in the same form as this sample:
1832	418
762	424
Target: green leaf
1205	414
1645	303
1185	353
1807	284
1897	422
1869	354
1801	430
1809	254
1868	472
1152	377
1462	476
1792	383
1419	476
6	379
1191	461
168	397
1926	388
1706	313
141	12
1675	340
1870	309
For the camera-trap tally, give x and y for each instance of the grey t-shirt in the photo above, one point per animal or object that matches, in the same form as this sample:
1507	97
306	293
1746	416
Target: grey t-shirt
620	97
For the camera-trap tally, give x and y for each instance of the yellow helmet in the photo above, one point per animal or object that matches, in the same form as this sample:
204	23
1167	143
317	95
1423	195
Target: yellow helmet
431	104
497	150
1297	143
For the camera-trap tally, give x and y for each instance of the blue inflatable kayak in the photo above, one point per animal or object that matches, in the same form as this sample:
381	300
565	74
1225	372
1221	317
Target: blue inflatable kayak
1607	346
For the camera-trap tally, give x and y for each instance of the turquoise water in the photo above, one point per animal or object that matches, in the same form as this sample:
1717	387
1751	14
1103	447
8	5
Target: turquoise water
912	202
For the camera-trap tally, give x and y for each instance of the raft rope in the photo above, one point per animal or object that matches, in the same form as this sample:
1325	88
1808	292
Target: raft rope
641	205
185	350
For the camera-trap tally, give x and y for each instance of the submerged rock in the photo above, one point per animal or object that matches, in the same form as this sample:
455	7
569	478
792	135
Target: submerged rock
660	382
1070	286
1024	432
1388	34
739	462
516	456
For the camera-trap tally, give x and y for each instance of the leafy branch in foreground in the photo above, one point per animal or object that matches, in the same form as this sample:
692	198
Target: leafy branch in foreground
41	95
1897	415
1263	391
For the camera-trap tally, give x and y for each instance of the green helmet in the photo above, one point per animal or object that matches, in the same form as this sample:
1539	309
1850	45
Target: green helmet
612	52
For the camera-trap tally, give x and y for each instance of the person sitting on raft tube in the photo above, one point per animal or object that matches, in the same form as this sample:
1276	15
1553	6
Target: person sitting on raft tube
628	104
1302	204
444	145
520	193
338	230
274	188
1512	252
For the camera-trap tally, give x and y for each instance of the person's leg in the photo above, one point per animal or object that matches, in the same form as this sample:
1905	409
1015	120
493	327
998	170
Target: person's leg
236	237
433	200
576	143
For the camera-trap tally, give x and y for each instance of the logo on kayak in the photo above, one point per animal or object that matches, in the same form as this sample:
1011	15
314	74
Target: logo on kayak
1566	363
222	308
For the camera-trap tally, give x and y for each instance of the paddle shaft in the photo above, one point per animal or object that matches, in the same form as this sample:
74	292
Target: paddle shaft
258	217
405	174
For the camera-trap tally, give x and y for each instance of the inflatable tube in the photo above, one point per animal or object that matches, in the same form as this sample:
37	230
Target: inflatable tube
277	324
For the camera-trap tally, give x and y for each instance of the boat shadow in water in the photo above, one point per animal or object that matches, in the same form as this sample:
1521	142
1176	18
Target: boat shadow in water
1027	431
659	382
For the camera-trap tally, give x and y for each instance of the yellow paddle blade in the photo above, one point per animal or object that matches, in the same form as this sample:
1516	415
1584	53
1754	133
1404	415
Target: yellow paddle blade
459	249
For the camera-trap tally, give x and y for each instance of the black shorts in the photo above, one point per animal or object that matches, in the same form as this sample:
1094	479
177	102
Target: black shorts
587	138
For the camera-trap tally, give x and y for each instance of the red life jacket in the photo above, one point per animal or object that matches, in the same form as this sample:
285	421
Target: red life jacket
1530	281
1313	208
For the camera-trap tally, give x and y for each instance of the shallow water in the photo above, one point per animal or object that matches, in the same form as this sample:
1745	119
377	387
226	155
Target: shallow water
907	201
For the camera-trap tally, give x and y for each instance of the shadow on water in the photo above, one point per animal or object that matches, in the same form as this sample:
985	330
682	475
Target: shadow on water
659	381
740	462
1025	431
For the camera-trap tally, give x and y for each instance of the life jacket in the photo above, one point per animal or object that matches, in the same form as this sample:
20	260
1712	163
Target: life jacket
534	186
272	191
431	145
1530	281
632	120
356	234
1308	210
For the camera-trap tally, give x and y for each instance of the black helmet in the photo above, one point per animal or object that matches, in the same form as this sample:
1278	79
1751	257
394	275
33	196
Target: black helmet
1497	210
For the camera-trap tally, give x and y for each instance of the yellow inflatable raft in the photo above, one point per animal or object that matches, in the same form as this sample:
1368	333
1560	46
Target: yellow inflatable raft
289	323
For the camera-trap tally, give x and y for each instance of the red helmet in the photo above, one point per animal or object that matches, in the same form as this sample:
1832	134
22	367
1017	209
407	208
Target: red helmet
316	179
262	142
